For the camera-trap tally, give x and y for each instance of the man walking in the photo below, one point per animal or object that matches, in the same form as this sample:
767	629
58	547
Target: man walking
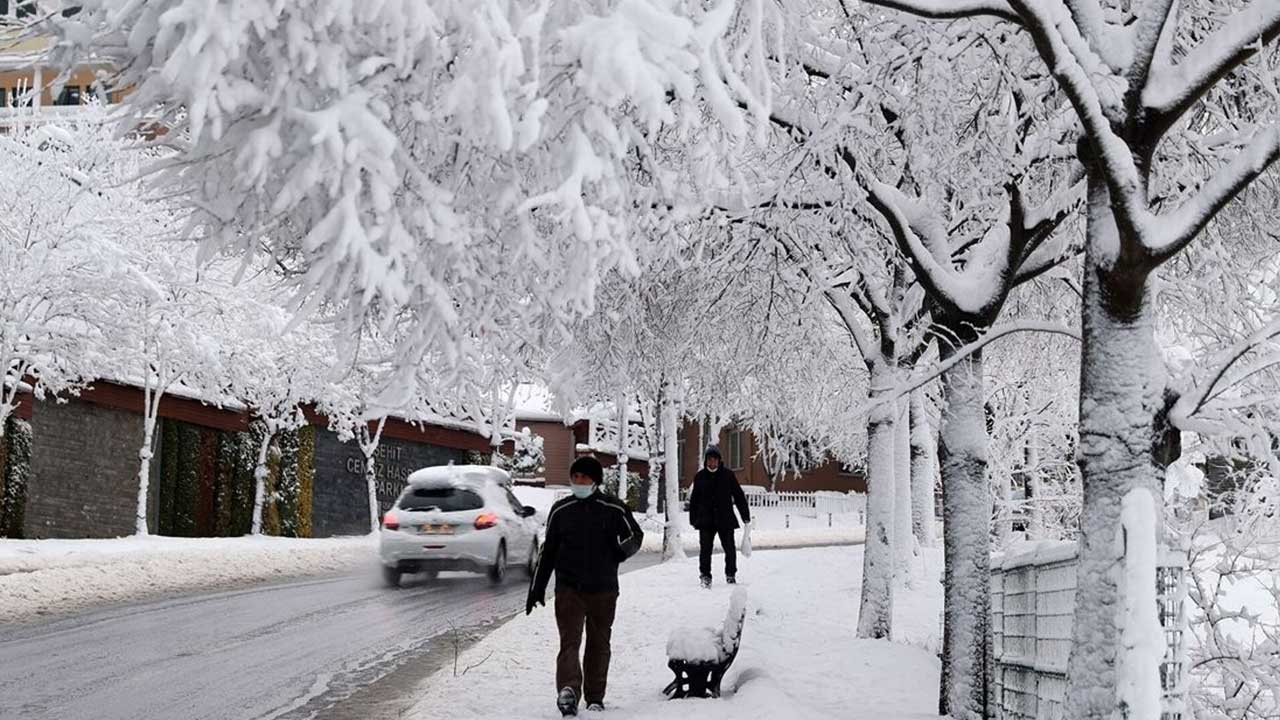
588	534
715	492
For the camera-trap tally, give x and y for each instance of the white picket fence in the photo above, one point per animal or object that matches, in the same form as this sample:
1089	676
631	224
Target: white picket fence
803	504
1032	606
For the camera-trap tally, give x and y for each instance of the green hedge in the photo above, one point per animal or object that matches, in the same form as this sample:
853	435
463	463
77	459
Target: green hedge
15	470
206	483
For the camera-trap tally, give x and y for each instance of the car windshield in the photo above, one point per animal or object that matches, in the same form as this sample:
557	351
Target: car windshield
447	499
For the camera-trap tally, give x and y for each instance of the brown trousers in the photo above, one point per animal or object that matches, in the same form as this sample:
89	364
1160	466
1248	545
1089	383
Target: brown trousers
594	610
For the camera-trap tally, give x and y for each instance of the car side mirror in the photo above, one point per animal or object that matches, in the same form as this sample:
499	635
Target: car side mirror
528	511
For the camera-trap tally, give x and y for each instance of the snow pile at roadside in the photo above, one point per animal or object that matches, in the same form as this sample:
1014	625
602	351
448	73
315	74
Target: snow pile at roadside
798	659
44	577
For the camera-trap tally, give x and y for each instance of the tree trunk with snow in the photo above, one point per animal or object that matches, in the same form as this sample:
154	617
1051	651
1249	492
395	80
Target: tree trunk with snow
875	614
1142	645
144	473
260	480
966	509
1035	512
150	413
622	447
923	462
369	446
717	427
903	539
672	540
1120	396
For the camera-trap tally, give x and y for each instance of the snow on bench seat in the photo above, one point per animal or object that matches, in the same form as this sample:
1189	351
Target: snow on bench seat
700	656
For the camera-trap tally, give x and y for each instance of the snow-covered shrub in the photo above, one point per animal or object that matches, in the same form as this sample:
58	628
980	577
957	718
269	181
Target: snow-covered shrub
15	470
528	459
634	489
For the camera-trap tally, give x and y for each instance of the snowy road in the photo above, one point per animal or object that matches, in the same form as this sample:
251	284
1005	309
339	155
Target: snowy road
333	648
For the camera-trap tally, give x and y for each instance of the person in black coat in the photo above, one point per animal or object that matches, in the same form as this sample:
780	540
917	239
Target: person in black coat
715	491
588	534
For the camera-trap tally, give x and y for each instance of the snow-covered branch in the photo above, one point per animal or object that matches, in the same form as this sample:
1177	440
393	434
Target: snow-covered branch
1088	16
1173	89
1064	52
919	380
895	207
842	303
951	9
1038	224
1154	17
1178	229
1193	402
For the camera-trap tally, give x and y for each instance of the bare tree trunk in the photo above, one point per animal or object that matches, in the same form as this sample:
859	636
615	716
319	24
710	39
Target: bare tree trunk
923	463
966	507
875	614
1120	397
672	532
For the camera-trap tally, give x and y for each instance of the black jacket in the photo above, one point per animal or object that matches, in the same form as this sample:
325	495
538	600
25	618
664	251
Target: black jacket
586	540
712	499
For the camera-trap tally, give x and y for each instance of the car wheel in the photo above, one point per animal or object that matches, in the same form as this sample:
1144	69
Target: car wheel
532	566
498	572
391	576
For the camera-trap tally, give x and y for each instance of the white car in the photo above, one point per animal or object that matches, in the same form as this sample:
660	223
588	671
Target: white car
458	517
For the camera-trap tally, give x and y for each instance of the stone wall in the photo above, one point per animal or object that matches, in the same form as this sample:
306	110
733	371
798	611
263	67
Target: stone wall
340	503
84	471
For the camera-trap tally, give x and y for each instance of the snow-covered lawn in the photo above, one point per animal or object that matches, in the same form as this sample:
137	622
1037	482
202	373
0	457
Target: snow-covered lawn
42	577
799	656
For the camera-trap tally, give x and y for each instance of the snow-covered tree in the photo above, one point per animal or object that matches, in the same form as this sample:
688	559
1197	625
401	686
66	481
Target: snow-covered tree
62	267
1136	76
442	167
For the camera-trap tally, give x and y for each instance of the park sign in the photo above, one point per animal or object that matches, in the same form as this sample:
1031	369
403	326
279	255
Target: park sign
340	504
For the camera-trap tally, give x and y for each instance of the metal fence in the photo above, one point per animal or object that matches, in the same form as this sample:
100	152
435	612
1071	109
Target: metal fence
1032	605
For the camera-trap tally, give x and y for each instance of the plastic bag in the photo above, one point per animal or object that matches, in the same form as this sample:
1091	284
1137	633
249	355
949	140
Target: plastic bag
744	546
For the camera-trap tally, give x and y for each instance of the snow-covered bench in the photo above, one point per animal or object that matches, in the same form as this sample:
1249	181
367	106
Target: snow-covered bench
700	656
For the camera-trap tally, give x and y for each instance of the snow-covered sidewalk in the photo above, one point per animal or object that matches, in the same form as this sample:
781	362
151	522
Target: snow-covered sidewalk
44	577
799	657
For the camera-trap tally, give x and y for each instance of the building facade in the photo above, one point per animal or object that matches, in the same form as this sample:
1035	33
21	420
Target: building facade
81	478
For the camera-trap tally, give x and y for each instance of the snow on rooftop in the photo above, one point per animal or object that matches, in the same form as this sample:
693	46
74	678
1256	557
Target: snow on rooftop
534	403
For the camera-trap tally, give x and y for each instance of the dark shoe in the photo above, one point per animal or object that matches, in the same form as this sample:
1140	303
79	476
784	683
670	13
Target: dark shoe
706	582
731	579
567	701
595	707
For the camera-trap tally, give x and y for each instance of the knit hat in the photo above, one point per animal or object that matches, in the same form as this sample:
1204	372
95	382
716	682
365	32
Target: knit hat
588	466
712	452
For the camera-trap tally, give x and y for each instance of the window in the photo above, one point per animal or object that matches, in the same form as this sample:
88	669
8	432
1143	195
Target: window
733	450
17	8
443	499
70	96
515	503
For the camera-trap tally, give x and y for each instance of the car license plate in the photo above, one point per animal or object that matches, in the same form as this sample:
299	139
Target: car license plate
441	529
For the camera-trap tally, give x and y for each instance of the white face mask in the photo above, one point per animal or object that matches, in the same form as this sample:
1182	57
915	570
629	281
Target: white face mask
582	491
